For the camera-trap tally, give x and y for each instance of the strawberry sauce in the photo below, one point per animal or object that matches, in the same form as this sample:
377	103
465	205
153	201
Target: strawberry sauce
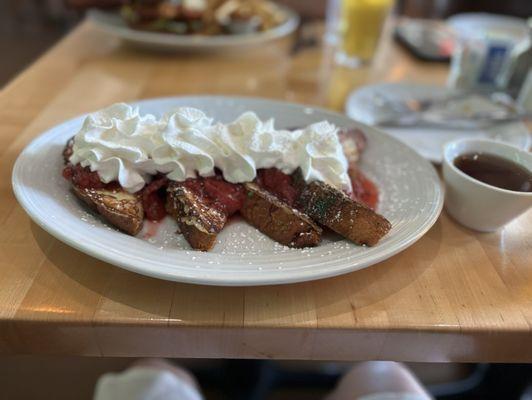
282	186
364	189
227	197
83	177
278	183
153	197
150	229
215	191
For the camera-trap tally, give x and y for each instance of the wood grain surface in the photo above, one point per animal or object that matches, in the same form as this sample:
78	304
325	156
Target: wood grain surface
453	296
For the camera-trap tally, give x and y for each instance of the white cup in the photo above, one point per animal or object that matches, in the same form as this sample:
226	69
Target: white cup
475	204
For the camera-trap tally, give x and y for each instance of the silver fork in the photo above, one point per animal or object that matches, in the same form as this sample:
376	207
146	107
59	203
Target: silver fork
410	112
473	121
414	105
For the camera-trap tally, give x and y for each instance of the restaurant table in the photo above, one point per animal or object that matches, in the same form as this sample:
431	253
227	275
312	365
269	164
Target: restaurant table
455	295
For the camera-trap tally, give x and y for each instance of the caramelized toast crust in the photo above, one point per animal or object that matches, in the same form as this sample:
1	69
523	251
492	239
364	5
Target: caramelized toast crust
119	207
278	220
198	222
334	209
122	209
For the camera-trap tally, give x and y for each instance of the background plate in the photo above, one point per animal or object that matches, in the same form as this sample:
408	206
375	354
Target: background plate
411	198
470	24
427	141
113	24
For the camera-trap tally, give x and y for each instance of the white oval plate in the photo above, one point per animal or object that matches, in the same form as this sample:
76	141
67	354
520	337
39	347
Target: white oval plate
427	141
411	198
113	24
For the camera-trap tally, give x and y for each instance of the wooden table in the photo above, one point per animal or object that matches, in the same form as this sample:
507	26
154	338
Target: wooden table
453	296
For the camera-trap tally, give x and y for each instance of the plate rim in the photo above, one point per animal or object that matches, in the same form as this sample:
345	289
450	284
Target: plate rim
191	42
220	280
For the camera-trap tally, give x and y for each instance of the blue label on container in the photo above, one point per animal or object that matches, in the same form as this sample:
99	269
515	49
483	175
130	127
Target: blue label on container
493	62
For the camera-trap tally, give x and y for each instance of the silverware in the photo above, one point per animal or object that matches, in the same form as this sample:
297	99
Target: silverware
432	111
423	104
473	121
413	105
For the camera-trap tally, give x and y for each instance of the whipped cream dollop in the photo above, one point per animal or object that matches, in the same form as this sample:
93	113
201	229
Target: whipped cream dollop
122	145
117	143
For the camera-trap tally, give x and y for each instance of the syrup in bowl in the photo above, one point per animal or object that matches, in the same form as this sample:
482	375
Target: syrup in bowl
495	171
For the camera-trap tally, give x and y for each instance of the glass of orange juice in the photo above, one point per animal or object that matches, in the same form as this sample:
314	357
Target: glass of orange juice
361	23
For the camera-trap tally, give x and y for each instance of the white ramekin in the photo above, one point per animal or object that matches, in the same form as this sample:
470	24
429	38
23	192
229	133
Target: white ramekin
475	204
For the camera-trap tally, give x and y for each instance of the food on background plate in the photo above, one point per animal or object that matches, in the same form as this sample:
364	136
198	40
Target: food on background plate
286	183
206	17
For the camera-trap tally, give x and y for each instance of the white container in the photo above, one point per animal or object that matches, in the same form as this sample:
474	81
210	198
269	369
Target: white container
484	42
524	101
332	22
475	204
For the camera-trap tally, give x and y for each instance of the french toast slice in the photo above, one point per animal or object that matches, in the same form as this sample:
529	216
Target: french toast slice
122	209
277	219
199	222
332	208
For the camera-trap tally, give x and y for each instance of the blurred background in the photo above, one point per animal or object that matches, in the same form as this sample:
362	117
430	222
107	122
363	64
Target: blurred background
29	27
